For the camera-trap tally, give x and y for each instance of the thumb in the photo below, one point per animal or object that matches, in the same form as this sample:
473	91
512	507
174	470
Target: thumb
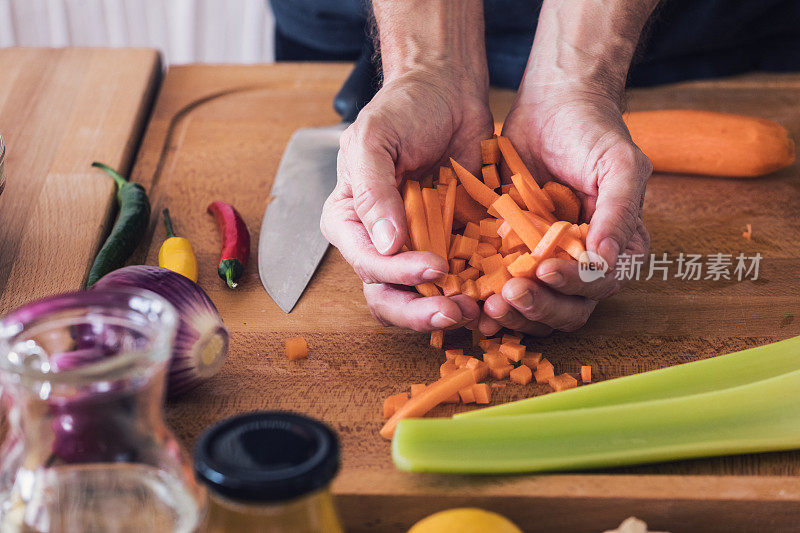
369	171
623	172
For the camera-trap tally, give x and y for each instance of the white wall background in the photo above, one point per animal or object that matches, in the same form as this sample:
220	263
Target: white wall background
186	31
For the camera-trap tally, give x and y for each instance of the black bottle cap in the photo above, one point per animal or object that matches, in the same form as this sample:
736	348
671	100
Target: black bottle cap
267	456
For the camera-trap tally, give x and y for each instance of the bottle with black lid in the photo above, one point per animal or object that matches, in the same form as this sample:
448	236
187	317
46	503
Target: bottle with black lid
269	472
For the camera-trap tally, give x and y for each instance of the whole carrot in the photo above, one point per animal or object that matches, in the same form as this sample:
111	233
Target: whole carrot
235	242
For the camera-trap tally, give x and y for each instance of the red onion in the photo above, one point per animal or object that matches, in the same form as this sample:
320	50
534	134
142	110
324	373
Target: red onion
201	341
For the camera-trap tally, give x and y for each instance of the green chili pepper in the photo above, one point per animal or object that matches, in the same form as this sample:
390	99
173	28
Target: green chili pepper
128	230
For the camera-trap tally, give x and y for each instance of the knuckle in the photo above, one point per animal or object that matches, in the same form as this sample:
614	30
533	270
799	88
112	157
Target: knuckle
366	198
362	271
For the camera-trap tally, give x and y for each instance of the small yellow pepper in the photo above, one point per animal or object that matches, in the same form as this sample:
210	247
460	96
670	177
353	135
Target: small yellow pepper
177	253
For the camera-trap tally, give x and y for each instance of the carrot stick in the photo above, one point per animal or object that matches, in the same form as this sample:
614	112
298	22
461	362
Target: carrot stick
518	221
428	289
474	187
467	209
433	395
448	211
550	240
437	338
514	162
490	176
433	216
490	152
415	216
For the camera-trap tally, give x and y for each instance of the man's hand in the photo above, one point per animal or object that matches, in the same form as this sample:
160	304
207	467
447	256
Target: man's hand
567	126
433	105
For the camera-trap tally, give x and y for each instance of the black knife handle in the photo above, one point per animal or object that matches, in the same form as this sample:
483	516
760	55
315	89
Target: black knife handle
360	86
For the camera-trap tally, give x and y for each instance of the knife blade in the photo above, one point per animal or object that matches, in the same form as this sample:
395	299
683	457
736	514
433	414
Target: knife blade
291	244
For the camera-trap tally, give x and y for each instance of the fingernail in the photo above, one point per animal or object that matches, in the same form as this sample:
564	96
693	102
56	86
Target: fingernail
609	250
431	274
440	320
383	235
552	278
523	299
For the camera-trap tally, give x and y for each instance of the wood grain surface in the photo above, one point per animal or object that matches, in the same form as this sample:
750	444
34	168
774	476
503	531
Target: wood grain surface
218	133
59	111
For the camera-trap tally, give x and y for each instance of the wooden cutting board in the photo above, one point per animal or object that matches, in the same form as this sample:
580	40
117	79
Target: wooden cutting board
218	133
59	111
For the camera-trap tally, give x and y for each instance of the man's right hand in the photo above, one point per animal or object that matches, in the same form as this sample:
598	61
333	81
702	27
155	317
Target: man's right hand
417	121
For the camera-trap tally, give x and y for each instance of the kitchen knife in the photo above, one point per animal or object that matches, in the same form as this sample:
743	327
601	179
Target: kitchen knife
291	244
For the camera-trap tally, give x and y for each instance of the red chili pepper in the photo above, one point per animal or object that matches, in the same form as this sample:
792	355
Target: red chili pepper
235	242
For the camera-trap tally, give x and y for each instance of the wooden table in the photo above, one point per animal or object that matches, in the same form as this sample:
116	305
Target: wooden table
219	132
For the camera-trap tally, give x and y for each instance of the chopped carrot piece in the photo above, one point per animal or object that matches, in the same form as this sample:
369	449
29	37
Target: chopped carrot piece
447	368
474	187
521	375
433	216
500	372
448	212
428	289
470	288
492	283
482	392
489	227
417	388
562	382
572	245
457	265
584	232
550	240
513	192
513	351
561	254
490	152
495	359
392	403
485	250
748	234
496	242
452	399
490	176
514	339
567	205
544	371
575	231
505	229
514	162
432	396
463	247
586	374
493	262
437	338
461	360
523	266
489	345
426	182
519	222
451	354
467	209
476	261
479	368
452	285
470	273
296	348
415	216
497	385
466	395
446	175
531	359
472	230
510	258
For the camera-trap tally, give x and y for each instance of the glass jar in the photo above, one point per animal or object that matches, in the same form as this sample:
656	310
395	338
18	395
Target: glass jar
86	447
269	472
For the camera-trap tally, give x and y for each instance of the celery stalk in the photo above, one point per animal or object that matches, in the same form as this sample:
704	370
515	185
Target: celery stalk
756	417
715	373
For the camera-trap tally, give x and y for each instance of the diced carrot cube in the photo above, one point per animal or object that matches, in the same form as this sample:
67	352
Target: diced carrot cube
521	375
485	249
524	266
470	288
482	393
495	359
447	368
462	247
479	369
452	285
562	382
489	345
476	261
496	242
437	338
485	288
513	351
451	354
490	176
466	395
457	265
490	152
393	403
417	388
296	348
498	279
586	374
500	372
510	258
472	231
544	371
461	360
469	273
531	359
452	399
491	263
489	227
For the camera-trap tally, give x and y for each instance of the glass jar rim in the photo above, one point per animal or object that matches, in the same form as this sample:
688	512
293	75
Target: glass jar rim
160	331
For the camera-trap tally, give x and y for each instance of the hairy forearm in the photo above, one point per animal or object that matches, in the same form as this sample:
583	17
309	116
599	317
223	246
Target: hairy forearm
442	35
586	43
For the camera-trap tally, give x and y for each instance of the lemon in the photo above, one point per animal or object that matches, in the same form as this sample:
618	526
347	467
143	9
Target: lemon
465	520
